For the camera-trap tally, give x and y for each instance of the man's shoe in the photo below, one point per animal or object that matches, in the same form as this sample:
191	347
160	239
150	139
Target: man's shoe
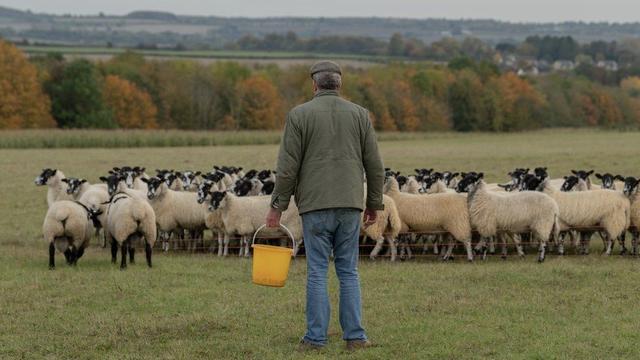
353	345
307	346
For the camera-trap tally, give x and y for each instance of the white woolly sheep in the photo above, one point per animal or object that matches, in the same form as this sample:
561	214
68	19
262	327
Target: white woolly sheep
386	227
212	219
190	180
68	227
606	208
57	188
436	212
242	216
175	210
77	187
632	190
515	212
129	219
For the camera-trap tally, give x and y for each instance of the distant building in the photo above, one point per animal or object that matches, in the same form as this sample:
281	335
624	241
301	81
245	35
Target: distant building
564	65
528	71
543	65
608	65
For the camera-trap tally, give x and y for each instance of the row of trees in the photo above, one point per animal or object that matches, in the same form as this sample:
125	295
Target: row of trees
130	91
549	48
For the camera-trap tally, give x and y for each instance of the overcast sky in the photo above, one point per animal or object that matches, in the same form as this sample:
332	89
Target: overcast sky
510	10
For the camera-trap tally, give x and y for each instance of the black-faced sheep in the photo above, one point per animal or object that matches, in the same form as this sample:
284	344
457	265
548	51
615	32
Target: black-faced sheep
68	227
514	212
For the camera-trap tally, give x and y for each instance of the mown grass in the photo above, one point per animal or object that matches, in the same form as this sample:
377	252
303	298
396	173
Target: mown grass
199	306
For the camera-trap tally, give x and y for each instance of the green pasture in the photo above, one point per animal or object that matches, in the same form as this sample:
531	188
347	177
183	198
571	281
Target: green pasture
192	306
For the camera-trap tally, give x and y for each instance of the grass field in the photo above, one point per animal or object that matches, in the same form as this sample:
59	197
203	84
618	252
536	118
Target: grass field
76	138
200	306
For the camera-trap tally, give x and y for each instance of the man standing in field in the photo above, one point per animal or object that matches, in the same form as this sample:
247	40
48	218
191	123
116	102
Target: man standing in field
328	146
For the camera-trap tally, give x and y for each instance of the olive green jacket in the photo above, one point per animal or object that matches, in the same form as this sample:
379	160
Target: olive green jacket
327	148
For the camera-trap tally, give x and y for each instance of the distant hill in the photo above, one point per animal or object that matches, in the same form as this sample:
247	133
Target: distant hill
164	29
152	15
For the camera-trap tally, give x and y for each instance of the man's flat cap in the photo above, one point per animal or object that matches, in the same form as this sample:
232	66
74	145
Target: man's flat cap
325	65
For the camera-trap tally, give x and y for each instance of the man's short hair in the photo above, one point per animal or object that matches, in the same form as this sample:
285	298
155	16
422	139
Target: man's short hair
326	80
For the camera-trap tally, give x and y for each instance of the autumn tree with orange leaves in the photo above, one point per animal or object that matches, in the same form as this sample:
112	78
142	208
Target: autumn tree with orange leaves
132	108
259	104
23	104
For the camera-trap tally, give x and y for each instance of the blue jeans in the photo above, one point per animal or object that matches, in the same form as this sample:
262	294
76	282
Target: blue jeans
325	231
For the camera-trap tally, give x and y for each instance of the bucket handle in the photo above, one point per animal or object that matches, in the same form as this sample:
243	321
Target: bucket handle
281	226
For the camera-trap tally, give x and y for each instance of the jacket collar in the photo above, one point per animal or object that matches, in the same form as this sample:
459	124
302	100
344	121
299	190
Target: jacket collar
326	92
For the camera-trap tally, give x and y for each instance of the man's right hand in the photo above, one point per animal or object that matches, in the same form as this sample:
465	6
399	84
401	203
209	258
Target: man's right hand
273	218
370	217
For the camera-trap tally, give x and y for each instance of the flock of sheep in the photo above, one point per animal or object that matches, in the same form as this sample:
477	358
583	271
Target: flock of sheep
428	208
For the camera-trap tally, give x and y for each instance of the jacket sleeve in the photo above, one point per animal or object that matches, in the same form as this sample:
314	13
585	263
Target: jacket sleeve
289	159
373	168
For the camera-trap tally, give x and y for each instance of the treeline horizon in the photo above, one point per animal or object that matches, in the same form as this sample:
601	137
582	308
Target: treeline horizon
548	48
131	92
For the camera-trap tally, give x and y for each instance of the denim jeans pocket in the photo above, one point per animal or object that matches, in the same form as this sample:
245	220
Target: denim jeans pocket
349	220
316	221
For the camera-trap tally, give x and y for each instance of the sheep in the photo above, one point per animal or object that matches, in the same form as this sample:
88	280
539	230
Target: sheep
132	177
253	173
213	219
68	227
632	190
450	179
490	212
541	173
77	187
116	184
577	183
173	181
574	183
218	179
606	208
386	227
243	215
266	175
246	187
175	210
267	187
129	219
57	188
585	175
190	180
516	179
96	199
434	184
611	182
230	175
435	212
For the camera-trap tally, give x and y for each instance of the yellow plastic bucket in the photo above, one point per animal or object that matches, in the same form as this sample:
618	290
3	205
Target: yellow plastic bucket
271	263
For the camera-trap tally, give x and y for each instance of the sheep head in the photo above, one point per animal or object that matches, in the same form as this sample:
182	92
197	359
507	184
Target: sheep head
44	177
470	182
607	180
582	174
541	173
73	185
217	200
570	182
154	186
631	185
112	181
